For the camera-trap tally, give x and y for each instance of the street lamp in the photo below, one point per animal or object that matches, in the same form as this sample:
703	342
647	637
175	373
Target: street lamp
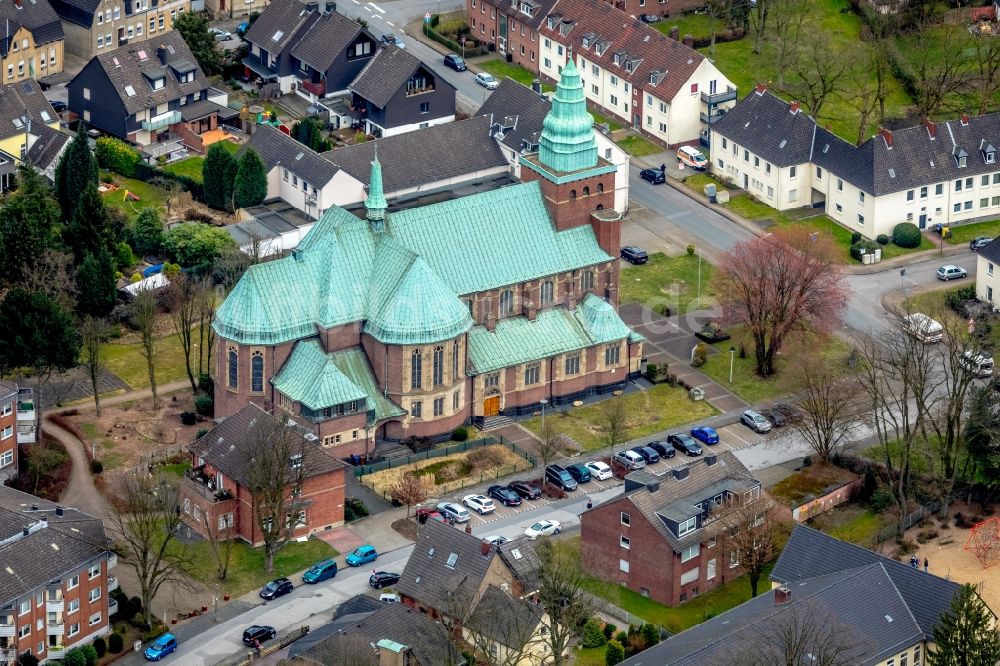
732	358
543	402
902	283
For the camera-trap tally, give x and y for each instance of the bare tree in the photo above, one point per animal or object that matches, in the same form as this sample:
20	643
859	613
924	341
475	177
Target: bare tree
147	518
985	59
184	312
828	405
220	541
53	275
549	444
206	334
561	593
144	319
615	421
940	72
93	332
408	491
750	525
758	23
820	69
869	81
718	10
786	18
275	476
501	633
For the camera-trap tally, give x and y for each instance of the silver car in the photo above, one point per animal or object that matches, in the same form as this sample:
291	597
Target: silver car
756	421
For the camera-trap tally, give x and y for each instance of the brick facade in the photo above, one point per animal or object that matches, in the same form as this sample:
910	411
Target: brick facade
8	431
485	20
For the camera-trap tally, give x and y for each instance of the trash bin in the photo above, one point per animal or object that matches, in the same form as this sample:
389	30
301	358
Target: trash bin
710	190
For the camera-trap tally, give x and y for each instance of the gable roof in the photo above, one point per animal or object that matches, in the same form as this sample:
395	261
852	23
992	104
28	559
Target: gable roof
37	16
455	149
325	39
992	251
48	147
519	110
280	21
18	98
504	619
276	148
227	446
765	125
521	557
649	50
810	553
539	10
386	73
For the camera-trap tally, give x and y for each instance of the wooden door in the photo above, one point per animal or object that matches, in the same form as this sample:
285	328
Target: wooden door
491	406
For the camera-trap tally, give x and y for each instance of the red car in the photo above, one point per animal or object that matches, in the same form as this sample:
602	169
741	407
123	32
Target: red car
425	513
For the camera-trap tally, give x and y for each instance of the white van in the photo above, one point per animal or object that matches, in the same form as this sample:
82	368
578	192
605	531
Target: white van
923	328
979	365
692	158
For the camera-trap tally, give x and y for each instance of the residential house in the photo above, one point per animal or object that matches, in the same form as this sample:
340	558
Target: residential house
509	630
273	228
272	37
24	112
517	114
383	635
94	27
988	273
222	9
32	46
8	428
153	97
397	327
633	73
55	583
662	8
47	149
216	494
662	537
511	26
397	93
884	612
330	55
935	173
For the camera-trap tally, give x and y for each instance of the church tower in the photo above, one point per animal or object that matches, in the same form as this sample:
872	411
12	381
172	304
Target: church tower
375	202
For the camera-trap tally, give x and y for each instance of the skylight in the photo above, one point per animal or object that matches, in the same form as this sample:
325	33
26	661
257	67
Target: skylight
278	35
892	173
142	54
516	552
17	123
45	116
430	553
130	91
452	560
115	60
299	156
783	143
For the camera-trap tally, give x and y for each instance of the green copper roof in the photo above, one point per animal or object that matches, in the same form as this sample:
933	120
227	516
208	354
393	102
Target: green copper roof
354	364
311	377
375	201
555	331
567	142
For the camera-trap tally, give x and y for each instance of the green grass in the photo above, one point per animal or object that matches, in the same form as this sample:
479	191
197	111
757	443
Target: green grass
246	566
176	469
231	147
189	166
810	481
850	522
660	408
696	25
966	232
670	281
129	364
590	656
149	195
698	180
638	146
502	70
601	118
747	384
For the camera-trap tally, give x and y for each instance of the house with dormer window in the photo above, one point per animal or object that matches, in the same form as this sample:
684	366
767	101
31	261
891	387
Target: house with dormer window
662	538
510	26
151	96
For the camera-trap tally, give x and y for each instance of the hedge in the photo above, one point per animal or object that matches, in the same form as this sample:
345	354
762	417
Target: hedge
470	52
906	234
116	155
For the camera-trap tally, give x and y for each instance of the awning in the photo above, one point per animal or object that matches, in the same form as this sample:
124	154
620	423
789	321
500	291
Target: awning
257	67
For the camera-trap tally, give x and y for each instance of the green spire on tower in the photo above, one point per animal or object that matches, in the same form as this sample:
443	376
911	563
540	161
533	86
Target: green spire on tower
567	142
375	201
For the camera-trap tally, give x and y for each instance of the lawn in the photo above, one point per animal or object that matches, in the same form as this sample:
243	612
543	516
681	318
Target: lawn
637	146
189	166
966	232
696	25
670	281
698	180
149	195
502	70
129	364
590	656
660	408
850	522
601	118
246	566
747	385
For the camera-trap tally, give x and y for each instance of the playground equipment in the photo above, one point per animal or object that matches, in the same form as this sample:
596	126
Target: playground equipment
984	541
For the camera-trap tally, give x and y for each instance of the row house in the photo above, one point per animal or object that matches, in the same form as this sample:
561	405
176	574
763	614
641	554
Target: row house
510	27
93	27
27	120
935	173
32	45
55	584
662	538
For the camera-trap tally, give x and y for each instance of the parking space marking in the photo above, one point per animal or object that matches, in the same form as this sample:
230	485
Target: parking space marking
747	442
391	23
377	8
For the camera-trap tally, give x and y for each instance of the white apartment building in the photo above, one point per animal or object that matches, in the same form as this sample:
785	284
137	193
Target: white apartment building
933	173
988	273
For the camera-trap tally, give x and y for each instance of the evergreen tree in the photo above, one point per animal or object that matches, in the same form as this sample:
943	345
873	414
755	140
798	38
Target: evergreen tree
309	133
217	176
90	228
148	232
193	28
95	283
966	636
27	220
76	169
36	333
251	181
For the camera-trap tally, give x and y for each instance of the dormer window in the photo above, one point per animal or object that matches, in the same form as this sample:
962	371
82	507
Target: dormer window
990	157
628	66
961	157
600	48
618	58
689	525
158	83
989	152
550	22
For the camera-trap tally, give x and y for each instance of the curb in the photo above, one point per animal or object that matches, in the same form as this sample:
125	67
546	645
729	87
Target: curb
907	260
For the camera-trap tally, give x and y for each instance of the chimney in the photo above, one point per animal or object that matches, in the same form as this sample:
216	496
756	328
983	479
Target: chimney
531	311
59	511
571	300
468	528
675	33
680	472
25	532
782	595
965	120
312	6
17	3
34	507
711	460
45	518
161	54
931	128
484	548
536	86
887	135
794	108
761	89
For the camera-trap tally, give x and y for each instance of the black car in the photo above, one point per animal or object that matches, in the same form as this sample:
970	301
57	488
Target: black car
649	18
775	417
391	40
686	444
654	176
58	106
560	478
579	472
276	588
528	491
456	62
634	255
380	579
648	454
664	449
258	632
505	495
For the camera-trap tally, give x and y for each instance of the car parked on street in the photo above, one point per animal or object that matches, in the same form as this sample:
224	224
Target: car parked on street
560	478
454	512
58	105
487	80
951	272
528	491
685	444
480	504
649	18
258	633
504	495
579	472
320	571
648	454
456	62
634	255
380	579
756	421
664	449
542	528
706	435
161	647
630	460
776	418
362	555
654	176
792	414
393	40
599	470
220	34
276	588
979	242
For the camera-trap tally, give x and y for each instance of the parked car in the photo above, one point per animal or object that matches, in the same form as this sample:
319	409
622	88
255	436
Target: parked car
980	365
242	28
424	514
496	539
648	454
777	419
977	243
579	472
528	491
258	633
220	34
454	512
390	598
951	272
487	80
685	444
480	503
599	470
393	40
362	555
649	18
654	176
276	588
630	460
320	571
923	328
161	647
664	449
381	579
58	105
560	478
542	528
505	495
692	157
705	434
634	255
791	414
456	62
756	421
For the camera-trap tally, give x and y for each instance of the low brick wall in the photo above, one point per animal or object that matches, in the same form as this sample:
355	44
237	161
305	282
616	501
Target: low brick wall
824	503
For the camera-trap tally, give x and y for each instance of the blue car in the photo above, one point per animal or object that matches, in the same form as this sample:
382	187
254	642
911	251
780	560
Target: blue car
161	647
706	435
362	555
320	571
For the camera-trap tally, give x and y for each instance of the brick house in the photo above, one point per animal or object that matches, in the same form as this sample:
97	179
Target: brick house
510	26
660	538
54	582
8	430
216	491
93	27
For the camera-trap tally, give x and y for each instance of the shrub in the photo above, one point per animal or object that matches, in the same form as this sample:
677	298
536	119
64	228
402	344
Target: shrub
614	653
700	355
866	245
592	635
206	383
485	458
906	234
96	467
690	250
460	434
107	178
882	239
100	646
881	500
90	654
115	643
204	404
906	547
650	634
201	433
354	509
609	631
957	298
622	638
27	659
75	658
855	237
116	155
189	418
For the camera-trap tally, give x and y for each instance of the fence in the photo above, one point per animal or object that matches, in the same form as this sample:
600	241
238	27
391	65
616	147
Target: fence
461	447
607	608
248	657
161	455
888	533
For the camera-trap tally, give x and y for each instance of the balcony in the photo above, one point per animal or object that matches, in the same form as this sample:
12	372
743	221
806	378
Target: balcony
55	629
112	607
412	90
55	606
112	561
318	89
8	657
204	486
112	583
27	423
162	121
7	630
711	119
56	652
718	98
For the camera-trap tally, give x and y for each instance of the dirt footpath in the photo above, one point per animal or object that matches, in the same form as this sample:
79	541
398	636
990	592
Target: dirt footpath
952	561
